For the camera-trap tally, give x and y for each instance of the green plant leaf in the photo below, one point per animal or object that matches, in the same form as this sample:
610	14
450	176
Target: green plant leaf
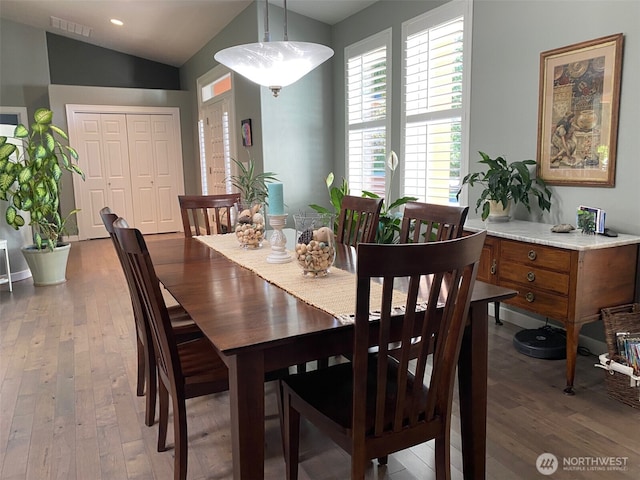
59	131
6	150
6	180
49	142
43	116
21	131
10	214
40	152
56	172
25	175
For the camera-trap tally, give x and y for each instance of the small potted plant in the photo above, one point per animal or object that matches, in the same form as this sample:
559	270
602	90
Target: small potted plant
252	186
31	181
506	182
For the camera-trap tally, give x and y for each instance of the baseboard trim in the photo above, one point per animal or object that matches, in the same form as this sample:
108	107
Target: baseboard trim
525	321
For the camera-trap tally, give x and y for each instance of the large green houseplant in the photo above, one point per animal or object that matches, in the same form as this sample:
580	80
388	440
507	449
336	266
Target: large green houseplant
31	181
504	182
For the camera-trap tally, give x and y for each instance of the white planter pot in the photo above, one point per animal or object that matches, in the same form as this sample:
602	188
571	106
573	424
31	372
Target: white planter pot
497	213
47	268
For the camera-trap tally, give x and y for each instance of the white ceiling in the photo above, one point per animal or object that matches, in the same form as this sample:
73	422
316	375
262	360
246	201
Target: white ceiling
166	31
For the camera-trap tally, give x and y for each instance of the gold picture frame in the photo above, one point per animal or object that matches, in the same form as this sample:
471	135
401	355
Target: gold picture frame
578	113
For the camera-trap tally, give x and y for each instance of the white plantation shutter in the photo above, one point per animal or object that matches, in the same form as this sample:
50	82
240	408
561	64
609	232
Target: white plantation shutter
434	109
368	77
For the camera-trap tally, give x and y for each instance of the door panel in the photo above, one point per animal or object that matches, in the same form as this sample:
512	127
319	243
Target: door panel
166	172
217	133
133	164
104	157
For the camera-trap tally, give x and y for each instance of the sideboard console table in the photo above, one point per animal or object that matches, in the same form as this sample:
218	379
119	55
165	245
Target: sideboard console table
568	277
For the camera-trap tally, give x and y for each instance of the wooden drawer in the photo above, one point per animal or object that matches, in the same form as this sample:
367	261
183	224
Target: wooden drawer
535	255
537	278
538	301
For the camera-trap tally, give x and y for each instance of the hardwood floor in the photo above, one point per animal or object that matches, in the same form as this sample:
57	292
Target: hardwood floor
69	410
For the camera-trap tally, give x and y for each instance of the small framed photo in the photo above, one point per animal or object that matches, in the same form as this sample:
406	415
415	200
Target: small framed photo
578	113
245	124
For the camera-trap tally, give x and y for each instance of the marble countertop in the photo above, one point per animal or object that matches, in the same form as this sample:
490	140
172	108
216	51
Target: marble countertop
540	233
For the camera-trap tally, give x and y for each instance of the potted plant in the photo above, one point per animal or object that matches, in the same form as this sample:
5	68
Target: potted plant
505	182
31	181
250	225
251	185
388	230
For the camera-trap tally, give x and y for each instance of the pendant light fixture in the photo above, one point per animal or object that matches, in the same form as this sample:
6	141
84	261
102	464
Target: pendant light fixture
274	64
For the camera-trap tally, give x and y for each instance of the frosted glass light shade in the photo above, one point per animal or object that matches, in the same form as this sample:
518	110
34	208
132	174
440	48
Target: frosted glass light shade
274	64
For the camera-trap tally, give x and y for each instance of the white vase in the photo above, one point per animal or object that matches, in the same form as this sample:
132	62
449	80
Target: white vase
47	267
498	213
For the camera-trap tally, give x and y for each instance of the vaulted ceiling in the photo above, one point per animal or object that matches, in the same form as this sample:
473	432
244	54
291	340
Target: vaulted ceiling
166	31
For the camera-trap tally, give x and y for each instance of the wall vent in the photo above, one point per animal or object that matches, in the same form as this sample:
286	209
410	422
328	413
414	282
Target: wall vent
71	27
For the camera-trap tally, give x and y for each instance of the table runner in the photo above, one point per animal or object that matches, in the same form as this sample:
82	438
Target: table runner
334	293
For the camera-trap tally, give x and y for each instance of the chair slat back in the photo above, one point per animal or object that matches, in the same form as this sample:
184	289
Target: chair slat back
427	222
141	269
213	210
358	220
447	269
108	217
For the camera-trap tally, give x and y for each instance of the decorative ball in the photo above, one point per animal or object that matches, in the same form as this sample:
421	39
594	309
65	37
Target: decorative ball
323	234
306	236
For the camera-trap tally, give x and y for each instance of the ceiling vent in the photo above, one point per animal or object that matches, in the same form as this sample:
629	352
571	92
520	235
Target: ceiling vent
71	27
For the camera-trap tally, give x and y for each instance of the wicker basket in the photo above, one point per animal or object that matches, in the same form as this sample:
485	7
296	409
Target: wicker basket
624	318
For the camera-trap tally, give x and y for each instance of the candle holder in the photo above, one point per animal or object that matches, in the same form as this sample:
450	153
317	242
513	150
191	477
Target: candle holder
278	240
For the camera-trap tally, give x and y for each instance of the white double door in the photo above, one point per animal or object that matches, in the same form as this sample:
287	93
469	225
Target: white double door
133	164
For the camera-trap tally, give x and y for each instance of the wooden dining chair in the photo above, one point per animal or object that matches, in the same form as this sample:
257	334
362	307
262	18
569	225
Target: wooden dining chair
181	323
377	404
358	220
427	222
185	370
213	210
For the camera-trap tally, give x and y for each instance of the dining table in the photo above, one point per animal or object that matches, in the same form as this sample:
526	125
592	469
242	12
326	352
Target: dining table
258	327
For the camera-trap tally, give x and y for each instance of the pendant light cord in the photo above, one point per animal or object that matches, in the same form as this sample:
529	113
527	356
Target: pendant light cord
286	36
267	35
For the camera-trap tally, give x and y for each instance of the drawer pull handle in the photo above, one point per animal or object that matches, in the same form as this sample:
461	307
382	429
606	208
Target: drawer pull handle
530	297
532	255
494	267
531	276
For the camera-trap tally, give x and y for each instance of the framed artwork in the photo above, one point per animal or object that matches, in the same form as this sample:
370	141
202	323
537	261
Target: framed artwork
578	113
246	132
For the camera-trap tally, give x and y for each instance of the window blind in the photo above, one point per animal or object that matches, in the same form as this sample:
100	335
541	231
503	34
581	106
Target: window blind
433	104
367	86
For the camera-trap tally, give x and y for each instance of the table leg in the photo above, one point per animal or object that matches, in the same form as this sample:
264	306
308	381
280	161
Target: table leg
472	388
246	394
573	332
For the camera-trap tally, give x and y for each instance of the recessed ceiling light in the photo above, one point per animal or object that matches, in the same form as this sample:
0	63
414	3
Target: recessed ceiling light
117	22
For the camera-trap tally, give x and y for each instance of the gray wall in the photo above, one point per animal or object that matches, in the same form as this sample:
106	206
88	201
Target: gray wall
507	41
297	137
292	133
24	67
243	29
102	67
504	93
25	81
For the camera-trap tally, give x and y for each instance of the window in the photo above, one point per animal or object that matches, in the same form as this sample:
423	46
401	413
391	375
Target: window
215	130
434	109
368	81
